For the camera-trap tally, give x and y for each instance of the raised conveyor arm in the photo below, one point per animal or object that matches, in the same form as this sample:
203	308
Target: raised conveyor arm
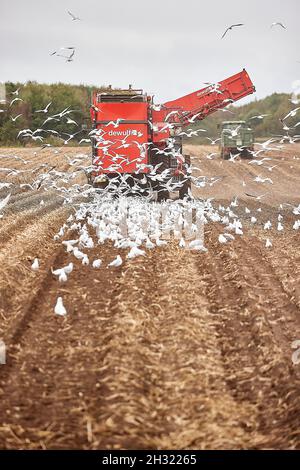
203	102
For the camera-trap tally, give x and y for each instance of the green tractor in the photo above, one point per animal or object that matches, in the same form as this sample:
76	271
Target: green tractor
236	137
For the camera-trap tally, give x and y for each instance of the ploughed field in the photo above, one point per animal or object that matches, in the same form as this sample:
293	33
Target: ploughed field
175	349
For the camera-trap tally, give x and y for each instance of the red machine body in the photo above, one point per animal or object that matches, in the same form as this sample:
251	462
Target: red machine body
131	133
121	122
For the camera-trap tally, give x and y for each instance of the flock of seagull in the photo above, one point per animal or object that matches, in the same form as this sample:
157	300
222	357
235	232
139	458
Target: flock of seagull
71	49
127	215
230	28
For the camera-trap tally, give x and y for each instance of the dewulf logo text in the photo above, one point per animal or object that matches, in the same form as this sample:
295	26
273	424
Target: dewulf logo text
125	133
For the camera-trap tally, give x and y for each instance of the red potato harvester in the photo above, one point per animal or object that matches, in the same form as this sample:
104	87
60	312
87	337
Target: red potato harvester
136	139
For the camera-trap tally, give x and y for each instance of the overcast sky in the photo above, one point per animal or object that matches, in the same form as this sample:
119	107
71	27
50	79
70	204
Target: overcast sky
166	47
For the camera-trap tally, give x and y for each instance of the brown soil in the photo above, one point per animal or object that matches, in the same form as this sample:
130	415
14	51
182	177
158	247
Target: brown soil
179	349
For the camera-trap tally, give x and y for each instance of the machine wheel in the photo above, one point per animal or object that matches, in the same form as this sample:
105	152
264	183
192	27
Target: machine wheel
187	160
89	178
225	153
246	153
184	190
162	194
186	186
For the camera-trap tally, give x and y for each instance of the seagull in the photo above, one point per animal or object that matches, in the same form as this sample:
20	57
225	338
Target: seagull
71	121
259	162
256	197
192	132
270	168
70	58
85	260
134	252
231	27
277	24
222	238
235	131
259	116
35	265
296	225
213	142
211	155
4	201
268	243
214	86
156	107
285	128
197	245
14	100
296	354
62	272
182	243
149	245
279	227
233	157
45	110
71	136
63	49
97	263
116	262
267	225
225	110
16	117
49	119
78	254
59	308
170	114
291	113
260	179
160	242
74	18
115	123
166	126
191	120
16	92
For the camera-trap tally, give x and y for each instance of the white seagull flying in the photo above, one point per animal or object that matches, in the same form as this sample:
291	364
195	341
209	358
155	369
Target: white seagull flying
230	28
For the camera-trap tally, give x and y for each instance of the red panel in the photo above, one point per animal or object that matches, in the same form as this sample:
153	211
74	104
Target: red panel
129	111
121	149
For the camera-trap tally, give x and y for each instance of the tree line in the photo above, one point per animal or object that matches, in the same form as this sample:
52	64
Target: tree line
33	97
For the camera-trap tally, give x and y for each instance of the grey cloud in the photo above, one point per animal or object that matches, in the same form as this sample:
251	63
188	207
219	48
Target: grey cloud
166	47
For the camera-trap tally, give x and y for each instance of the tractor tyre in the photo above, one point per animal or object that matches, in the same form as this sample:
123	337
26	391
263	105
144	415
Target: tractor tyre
162	195
184	190
187	161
